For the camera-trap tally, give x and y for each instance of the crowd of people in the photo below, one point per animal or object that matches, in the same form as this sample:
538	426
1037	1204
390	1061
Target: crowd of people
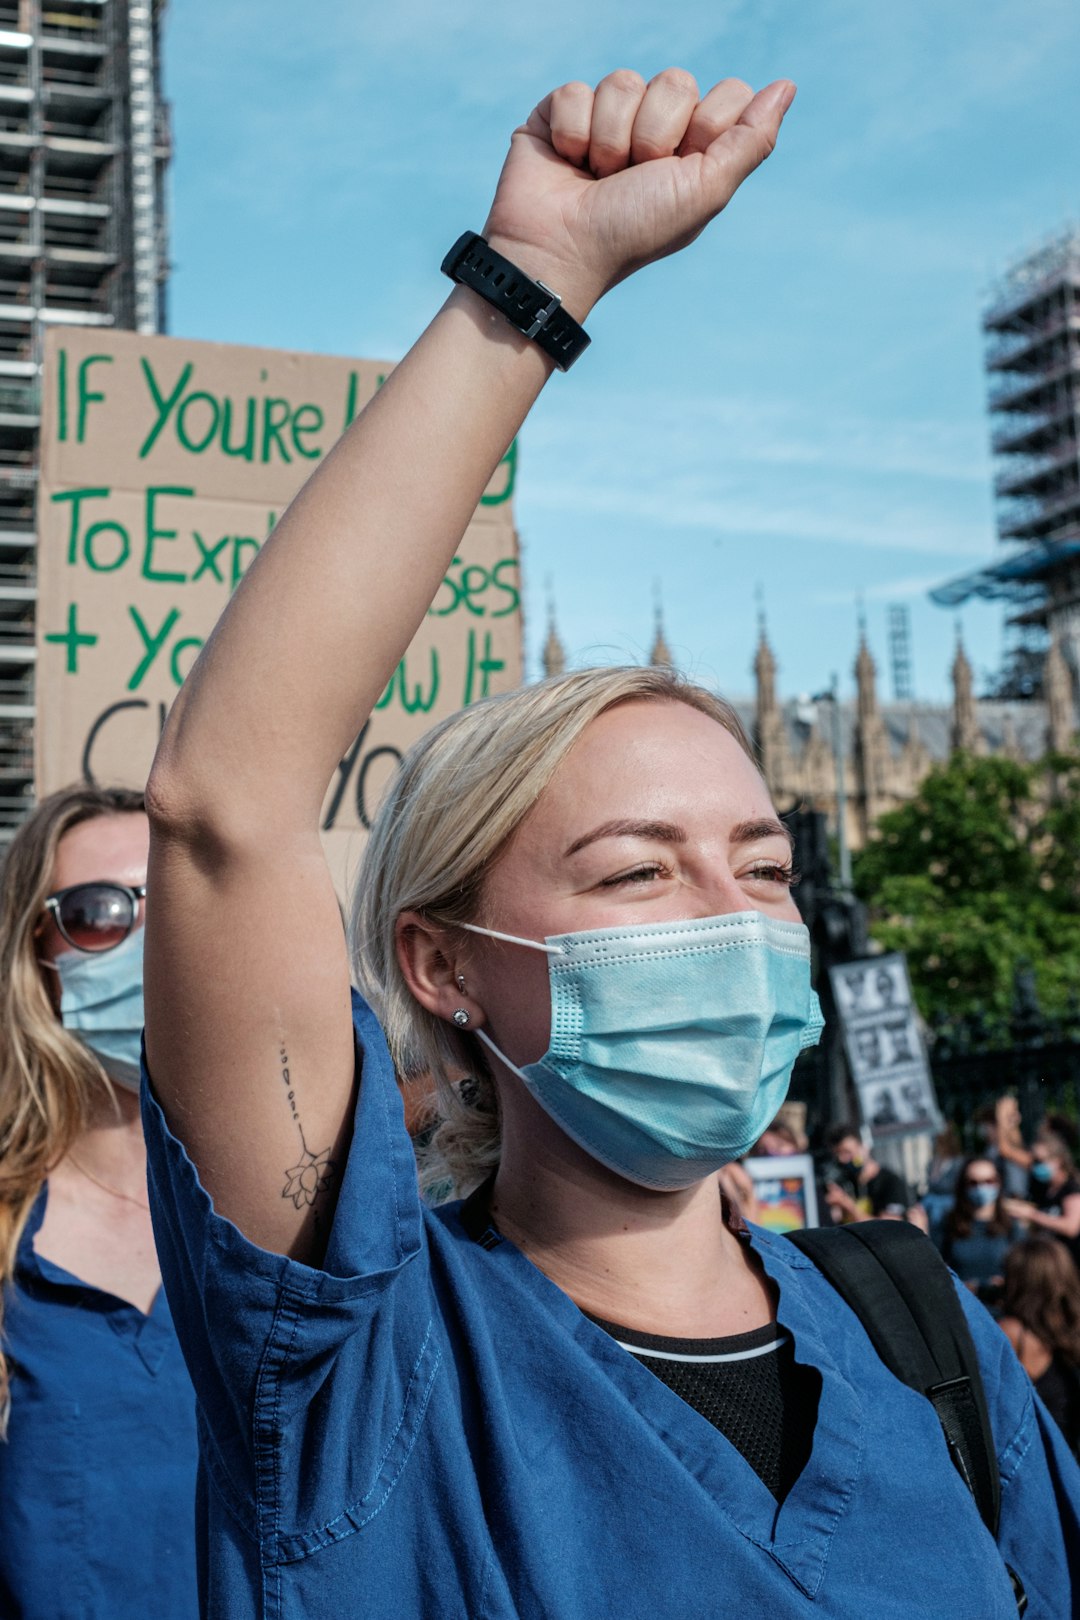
251	1362
1005	1217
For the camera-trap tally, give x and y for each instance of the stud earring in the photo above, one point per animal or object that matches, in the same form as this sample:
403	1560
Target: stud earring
461	1018
460	982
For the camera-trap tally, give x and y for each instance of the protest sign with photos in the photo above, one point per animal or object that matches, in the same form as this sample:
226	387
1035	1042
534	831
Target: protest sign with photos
884	1045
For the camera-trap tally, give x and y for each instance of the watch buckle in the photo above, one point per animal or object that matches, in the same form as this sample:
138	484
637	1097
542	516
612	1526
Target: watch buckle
542	316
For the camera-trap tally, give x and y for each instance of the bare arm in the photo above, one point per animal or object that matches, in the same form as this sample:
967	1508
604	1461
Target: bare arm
1031	1353
1010	1142
248	1031
1064	1225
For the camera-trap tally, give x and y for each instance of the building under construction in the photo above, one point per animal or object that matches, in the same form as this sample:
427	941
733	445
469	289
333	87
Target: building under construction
84	148
1032	327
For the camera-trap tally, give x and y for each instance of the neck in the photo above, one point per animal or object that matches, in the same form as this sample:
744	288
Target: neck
663	1262
112	1144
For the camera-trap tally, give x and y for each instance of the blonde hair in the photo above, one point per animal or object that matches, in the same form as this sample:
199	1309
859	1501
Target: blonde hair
47	1077
461	793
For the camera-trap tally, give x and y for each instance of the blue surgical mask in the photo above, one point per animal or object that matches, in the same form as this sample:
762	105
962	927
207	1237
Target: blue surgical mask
1042	1171
672	1044
101	1001
982	1195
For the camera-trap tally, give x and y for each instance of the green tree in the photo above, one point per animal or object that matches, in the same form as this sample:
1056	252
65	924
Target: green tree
979	873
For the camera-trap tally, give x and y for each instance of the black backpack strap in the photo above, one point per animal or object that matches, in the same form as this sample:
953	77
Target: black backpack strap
900	1289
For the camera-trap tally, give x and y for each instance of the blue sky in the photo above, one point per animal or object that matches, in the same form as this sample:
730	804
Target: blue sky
796	404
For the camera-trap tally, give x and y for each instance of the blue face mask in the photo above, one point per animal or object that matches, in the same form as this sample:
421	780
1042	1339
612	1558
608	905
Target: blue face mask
1042	1171
982	1195
101	1001
672	1044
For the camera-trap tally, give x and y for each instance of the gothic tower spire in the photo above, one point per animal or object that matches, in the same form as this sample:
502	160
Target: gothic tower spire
764	677
554	653
865	675
873	758
965	735
660	656
771	734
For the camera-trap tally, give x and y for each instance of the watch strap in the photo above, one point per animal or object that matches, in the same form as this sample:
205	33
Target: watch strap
530	306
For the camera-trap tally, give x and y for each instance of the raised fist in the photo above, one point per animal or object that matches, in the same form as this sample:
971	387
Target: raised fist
599	182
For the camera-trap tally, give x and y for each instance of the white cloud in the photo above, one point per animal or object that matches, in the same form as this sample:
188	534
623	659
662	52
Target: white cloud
762	468
672	507
689	431
913	75
912	588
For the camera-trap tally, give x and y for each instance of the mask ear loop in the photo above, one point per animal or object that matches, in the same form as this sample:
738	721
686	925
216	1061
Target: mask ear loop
482	1035
509	939
513	939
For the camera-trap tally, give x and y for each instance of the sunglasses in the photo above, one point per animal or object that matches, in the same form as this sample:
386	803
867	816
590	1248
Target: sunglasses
96	917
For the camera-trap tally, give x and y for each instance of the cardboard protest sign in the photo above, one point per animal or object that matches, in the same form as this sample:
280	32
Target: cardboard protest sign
164	466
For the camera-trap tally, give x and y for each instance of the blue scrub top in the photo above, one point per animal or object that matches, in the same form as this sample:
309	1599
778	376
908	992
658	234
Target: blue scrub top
428	1427
97	1476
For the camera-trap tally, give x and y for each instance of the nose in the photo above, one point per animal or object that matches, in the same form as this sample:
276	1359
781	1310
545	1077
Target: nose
728	896
724	894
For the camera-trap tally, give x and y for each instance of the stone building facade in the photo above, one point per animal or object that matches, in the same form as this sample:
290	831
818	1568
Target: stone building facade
886	749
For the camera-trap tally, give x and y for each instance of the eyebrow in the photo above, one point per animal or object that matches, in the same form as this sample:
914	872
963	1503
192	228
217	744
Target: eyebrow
748	832
666	832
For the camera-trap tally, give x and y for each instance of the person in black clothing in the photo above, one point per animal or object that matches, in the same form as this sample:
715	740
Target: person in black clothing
865	1190
1041	1320
1053	1205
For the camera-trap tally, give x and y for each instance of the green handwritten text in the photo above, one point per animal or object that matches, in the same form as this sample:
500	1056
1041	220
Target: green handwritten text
258	428
485	593
162	550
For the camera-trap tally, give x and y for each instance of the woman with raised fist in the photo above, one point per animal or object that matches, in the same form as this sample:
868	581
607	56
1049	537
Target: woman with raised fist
586	1389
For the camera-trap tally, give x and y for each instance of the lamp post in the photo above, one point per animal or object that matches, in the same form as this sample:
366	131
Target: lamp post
832	696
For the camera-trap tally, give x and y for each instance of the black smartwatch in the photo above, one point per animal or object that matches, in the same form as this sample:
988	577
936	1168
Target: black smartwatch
531	308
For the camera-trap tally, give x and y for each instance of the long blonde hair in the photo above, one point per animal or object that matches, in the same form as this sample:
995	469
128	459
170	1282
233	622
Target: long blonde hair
48	1079
461	793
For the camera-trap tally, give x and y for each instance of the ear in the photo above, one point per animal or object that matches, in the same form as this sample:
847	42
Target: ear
430	959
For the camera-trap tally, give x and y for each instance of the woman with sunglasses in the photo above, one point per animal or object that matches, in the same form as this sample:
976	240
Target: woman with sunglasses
588	1389
978	1232
98	1452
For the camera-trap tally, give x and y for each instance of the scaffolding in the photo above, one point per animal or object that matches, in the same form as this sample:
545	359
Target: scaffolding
900	652
1032	327
84	149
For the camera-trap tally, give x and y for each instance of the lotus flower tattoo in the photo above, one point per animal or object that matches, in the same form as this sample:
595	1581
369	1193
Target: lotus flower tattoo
309	1178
